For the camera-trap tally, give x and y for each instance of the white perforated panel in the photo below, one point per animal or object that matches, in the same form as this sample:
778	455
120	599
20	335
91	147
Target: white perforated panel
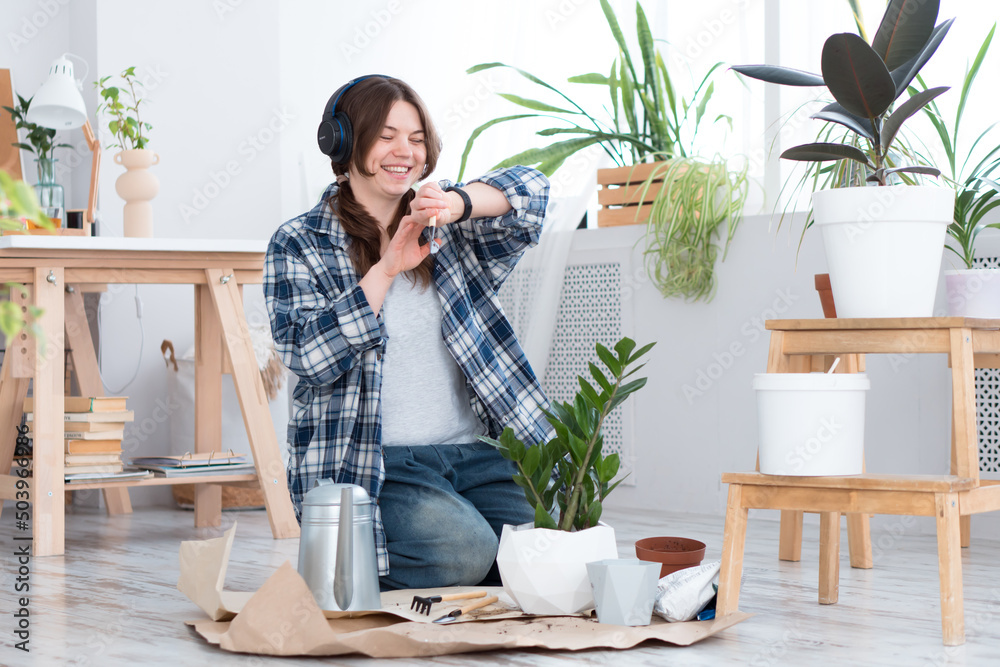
590	312
988	401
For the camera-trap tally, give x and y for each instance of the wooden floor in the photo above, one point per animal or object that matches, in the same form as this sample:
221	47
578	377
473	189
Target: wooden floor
112	599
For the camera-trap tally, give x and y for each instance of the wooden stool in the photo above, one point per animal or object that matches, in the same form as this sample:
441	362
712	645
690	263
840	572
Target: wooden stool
943	497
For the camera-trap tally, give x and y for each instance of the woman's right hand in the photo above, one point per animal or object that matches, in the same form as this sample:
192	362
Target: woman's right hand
404	251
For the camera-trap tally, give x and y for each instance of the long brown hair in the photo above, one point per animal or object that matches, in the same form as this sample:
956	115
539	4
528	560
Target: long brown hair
367	104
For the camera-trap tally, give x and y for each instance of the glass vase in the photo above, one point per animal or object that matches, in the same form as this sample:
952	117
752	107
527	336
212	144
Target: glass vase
51	196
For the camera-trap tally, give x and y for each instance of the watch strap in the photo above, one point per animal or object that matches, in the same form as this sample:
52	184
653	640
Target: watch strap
467	213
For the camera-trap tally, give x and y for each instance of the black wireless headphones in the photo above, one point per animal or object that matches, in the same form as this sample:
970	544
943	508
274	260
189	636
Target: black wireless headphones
335	134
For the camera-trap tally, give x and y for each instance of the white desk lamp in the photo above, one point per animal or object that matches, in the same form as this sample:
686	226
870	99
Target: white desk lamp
58	105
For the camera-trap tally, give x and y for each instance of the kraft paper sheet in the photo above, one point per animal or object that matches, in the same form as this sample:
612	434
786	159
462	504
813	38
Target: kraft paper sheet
282	618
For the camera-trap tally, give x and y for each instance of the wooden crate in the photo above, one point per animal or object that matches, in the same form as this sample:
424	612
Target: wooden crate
619	194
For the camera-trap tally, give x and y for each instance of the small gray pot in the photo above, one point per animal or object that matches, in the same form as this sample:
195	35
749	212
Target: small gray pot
624	590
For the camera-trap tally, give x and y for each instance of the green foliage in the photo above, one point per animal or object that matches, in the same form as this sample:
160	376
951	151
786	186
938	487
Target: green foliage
570	469
975	193
647	119
17	204
41	140
121	106
866	81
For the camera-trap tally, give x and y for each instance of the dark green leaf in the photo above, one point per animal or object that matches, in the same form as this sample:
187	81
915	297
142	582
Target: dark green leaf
835	113
530	462
903	75
904	31
856	76
599	377
562	149
624	348
577	449
904	111
594	514
785	76
821	152
609	359
543	519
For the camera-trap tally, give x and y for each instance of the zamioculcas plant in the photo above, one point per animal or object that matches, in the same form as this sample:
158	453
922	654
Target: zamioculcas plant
570	470
865	82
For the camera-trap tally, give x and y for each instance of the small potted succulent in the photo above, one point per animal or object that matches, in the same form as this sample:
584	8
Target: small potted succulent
137	186
883	242
543	567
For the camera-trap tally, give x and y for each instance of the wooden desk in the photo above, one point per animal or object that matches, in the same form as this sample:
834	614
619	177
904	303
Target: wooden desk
952	499
53	268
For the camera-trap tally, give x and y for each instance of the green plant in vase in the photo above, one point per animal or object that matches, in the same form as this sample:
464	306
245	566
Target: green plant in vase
121	105
570	471
697	201
41	142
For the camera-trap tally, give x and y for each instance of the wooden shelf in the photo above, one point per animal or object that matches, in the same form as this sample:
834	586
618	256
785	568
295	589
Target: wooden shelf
7	482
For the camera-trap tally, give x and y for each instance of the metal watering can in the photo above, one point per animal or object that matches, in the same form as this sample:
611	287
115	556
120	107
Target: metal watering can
337	547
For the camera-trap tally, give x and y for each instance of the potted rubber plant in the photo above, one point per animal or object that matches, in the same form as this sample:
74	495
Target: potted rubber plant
543	566
972	291
137	186
691	204
883	234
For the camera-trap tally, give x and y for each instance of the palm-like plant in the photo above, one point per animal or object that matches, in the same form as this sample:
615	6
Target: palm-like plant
976	193
866	81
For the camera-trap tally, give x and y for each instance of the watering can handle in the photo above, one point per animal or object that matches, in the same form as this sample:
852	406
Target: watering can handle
343	573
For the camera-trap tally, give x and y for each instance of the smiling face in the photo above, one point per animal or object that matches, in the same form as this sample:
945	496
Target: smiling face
396	158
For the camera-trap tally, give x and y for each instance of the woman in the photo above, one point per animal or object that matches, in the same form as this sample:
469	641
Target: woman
404	357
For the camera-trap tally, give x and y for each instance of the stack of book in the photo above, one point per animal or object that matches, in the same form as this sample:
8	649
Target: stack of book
184	465
94	428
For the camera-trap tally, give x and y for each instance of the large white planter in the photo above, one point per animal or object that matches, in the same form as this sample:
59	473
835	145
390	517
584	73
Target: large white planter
973	293
811	423
545	571
884	247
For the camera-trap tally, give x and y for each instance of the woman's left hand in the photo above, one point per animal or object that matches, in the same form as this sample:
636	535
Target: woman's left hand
430	201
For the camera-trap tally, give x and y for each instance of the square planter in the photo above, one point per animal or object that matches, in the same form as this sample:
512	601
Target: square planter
624	590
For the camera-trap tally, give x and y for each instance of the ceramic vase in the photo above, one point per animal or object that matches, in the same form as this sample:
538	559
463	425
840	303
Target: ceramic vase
137	186
624	590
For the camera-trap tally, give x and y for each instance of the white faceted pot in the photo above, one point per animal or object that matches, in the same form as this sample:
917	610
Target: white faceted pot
973	293
624	590
884	247
545	571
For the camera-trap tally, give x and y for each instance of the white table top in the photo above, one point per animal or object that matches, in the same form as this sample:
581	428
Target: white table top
44	242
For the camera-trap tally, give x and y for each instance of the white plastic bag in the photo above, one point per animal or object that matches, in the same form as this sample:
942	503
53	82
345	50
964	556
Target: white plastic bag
681	595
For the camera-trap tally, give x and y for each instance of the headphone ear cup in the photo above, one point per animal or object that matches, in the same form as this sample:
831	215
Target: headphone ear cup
342	147
328	137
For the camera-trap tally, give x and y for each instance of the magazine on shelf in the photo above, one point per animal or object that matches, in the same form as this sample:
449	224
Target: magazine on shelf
190	460
127	475
194	471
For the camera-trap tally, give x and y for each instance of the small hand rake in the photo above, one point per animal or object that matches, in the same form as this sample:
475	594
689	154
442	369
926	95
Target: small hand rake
422	605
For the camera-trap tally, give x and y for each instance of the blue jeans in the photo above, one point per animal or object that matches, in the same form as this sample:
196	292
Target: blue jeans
443	507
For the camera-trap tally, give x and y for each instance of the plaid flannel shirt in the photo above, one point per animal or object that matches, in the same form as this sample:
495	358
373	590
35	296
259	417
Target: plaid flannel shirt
326	333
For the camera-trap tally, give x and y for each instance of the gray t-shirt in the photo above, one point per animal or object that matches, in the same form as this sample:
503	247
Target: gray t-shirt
424	397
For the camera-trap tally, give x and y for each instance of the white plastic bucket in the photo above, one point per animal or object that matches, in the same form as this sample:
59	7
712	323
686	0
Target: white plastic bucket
884	247
811	424
973	293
